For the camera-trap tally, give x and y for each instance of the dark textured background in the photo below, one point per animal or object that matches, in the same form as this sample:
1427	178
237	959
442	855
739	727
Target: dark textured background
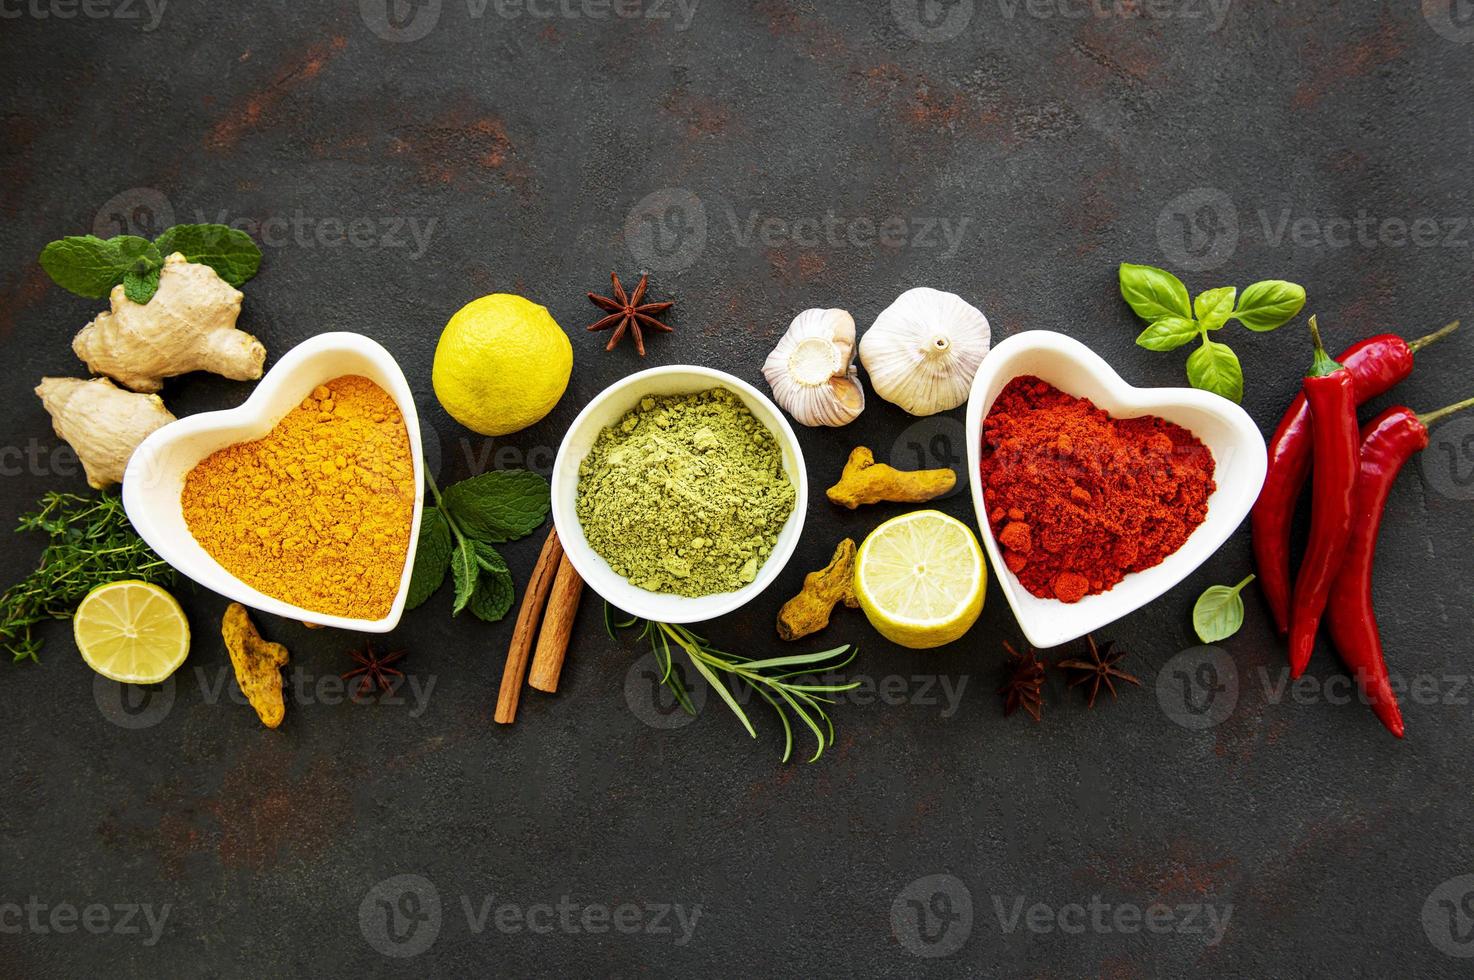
1061	139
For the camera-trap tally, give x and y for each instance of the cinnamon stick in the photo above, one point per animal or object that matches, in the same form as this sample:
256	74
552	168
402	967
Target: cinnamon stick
533	601
552	642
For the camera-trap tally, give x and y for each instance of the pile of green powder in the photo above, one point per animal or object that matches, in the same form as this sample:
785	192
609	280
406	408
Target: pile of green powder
686	494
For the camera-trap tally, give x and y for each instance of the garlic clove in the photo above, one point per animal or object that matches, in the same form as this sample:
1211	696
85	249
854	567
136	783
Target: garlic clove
924	349
812	371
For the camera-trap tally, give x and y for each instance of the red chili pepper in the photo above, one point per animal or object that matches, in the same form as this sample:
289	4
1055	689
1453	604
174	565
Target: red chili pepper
1387	442
1376	364
1330	391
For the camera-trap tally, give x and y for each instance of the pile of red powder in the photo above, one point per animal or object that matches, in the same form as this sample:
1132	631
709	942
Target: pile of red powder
1078	499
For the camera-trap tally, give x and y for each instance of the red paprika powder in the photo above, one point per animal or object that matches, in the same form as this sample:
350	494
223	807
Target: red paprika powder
1078	499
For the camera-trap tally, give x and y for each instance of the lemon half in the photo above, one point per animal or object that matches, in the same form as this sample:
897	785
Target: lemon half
921	578
131	631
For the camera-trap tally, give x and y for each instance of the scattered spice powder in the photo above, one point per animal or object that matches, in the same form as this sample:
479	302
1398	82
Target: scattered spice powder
1078	499
318	512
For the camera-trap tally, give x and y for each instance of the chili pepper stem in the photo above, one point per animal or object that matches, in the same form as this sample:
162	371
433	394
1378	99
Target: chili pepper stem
1428	418
1437	335
1323	364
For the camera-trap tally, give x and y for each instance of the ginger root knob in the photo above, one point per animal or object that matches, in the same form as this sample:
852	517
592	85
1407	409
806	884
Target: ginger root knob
102	422
864	481
809	611
189	325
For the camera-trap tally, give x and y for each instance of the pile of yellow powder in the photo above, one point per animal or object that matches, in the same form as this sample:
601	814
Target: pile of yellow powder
318	512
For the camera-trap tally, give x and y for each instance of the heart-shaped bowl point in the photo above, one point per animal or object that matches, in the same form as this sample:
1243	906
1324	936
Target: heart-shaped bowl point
1226	429
607	408
154	480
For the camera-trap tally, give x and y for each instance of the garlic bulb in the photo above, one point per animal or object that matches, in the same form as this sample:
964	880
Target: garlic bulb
812	370
923	350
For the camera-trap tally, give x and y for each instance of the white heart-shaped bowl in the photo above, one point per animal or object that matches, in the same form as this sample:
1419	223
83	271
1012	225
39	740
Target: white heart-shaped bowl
155	476
1239	464
608	408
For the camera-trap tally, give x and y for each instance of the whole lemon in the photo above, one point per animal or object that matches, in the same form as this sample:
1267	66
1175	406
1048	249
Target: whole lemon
502	364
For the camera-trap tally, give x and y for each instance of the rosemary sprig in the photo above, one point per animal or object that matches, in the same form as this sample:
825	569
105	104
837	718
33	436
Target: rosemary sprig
777	680
91	543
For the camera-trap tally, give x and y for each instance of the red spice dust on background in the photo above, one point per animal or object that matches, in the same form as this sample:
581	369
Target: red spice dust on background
1078	499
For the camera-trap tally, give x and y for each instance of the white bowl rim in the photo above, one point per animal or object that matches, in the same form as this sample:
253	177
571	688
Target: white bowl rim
141	506
1228	506
618	590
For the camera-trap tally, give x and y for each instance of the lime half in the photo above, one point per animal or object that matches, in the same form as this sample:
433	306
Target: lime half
920	579
131	631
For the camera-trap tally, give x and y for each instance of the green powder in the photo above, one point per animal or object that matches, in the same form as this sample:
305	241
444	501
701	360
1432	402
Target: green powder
686	494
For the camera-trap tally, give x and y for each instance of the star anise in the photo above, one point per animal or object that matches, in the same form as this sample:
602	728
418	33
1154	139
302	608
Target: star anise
1098	670
628	314
374	673
1024	687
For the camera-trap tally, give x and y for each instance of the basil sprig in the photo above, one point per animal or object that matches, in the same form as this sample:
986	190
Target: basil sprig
1161	299
90	266
457	532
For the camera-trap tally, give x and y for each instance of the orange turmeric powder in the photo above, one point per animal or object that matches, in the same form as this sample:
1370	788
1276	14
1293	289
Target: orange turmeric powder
317	512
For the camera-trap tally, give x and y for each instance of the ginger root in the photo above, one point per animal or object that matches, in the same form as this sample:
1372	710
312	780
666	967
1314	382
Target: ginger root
102	422
809	611
189	325
257	665
864	481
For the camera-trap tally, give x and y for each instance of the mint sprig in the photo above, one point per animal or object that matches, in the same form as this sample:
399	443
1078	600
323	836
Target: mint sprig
90	266
457	534
1161	299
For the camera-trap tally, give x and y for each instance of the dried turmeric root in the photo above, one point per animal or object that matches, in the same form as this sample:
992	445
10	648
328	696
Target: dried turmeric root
809	611
257	665
864	481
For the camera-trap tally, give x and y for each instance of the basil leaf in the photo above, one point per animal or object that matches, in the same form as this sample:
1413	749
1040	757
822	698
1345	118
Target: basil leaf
140	287
229	251
1168	333
493	596
432	558
1153	293
1214	367
1269	304
90	266
1214	307
502	505
1219	612
463	572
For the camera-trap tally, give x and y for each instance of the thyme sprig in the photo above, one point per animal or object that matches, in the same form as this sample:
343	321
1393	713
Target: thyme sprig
91	543
780	681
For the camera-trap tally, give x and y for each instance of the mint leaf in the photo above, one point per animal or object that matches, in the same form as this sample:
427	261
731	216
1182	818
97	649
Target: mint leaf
1270	304
502	505
1168	333
1214	367
432	558
1153	293
488	559
493	596
87	265
463	572
140	287
1214	307
229	251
